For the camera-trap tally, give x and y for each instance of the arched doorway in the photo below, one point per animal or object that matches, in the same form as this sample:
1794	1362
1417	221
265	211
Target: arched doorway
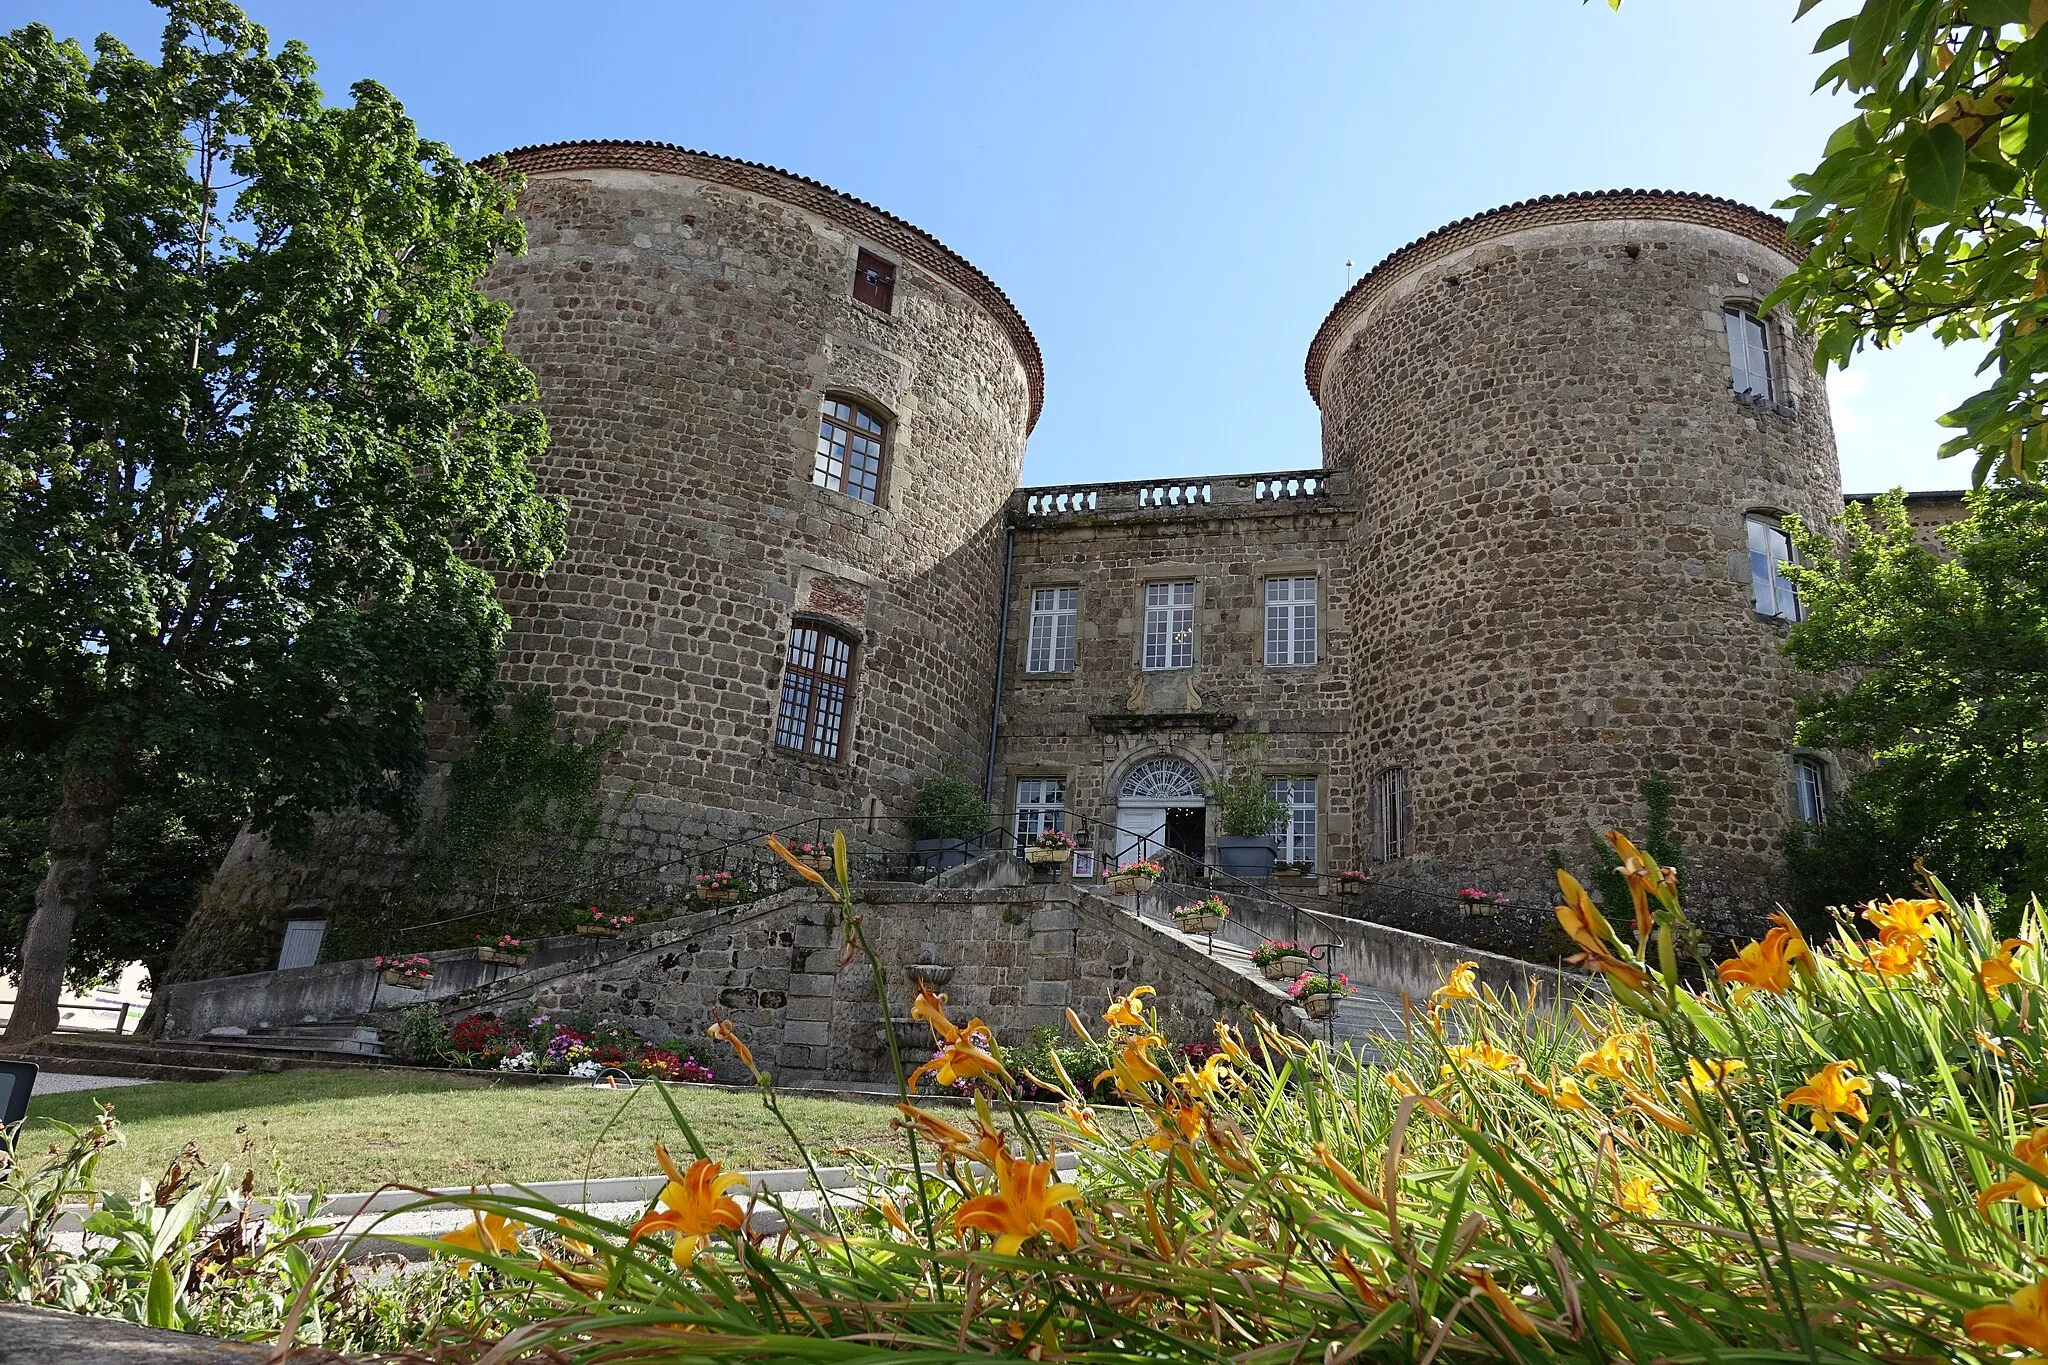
1160	808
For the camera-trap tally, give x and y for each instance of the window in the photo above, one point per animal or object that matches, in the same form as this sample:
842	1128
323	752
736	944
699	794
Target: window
1290	622
1810	790
815	679
1749	352
1298	830
1770	549
1162	780
849	457
1390	814
1169	626
1041	806
1050	646
874	281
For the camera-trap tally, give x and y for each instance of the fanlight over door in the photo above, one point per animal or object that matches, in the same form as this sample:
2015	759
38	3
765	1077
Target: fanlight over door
1149	791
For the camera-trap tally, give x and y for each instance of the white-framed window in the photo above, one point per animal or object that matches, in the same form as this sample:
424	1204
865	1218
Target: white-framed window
1809	790
1049	647
1169	626
1749	351
1390	813
1041	806
1290	622
1298	829
1770	550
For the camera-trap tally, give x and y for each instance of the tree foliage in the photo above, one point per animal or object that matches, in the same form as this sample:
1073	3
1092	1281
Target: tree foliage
1926	211
1947	668
258	433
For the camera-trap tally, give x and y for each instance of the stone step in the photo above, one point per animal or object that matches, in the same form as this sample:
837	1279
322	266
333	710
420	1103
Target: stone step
126	1068
79	1055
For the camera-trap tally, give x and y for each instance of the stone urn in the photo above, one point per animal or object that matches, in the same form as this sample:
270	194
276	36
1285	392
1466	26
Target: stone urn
931	976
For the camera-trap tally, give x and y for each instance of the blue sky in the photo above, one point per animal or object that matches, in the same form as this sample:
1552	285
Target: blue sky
1169	191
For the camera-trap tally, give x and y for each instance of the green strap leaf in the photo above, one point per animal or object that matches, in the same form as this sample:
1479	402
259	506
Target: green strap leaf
160	1305
1934	165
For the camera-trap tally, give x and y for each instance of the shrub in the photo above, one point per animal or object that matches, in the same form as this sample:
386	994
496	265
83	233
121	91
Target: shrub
1245	805
948	808
422	1037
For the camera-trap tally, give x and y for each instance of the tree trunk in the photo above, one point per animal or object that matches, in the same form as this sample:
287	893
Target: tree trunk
88	799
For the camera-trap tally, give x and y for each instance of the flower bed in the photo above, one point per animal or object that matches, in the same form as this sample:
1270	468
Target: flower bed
572	1044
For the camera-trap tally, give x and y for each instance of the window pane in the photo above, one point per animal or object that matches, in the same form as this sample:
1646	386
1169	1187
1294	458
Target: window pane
1770	549
817	670
1169	640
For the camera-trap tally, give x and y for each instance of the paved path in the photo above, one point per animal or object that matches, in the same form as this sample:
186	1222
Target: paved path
62	1082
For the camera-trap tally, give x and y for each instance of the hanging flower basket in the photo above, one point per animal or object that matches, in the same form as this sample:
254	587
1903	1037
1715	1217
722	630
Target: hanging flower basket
1318	992
1352	883
597	931
1047	857
412	972
718	888
1203	917
1132	879
600	925
1321	1006
501	957
1474	902
817	857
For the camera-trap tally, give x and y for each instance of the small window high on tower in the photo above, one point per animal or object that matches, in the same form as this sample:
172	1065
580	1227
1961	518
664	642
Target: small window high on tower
874	281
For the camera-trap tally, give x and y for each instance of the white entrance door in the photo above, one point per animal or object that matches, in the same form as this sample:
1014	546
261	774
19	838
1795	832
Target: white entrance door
1140	832
1149	791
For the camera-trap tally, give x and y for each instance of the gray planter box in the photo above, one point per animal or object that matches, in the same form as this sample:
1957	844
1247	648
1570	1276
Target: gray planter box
1251	859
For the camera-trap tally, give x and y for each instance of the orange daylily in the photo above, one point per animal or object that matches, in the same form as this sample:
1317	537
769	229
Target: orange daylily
1565	1094
721	1031
1704	1077
1209	1082
1657	1113
1618	1056
1025	1203
1350	1183
1124	1011
1485	1056
1645	878
2021	1320
2030	1191
1510	1311
1580	918
486	1234
693	1205
1459	985
1398	1081
1133	1068
1767	965
1372	1297
1178	1124
932	1010
1834	1089
1997	970
1083	1118
1639	1197
966	1056
1904	919
1232	1044
948	1139
1896	956
808	872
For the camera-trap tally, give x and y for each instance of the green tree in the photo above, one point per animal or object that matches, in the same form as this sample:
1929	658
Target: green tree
1945	662
1926	211
258	436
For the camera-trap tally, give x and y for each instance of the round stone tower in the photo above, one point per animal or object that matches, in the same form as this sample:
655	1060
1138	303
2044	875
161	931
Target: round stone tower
786	423
1568	426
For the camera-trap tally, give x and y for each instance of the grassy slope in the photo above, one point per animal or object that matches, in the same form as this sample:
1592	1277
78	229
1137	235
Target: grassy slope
348	1132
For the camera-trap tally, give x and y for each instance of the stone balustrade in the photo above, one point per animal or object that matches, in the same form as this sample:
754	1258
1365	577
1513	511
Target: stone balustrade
1273	493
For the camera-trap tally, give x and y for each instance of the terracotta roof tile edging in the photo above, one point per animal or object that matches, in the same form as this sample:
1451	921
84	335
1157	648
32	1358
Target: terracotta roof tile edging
875	223
1681	206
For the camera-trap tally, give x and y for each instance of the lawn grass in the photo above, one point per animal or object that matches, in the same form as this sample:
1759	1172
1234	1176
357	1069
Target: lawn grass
348	1132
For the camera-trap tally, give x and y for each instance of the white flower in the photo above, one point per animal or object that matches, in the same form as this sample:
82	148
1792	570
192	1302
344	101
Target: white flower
516	1061
585	1070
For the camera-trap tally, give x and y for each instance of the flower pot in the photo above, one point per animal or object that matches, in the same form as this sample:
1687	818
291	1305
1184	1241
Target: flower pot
1321	1005
821	862
415	983
721	896
1476	909
1290	875
1284	968
1198	924
500	955
597	931
1131	885
1251	859
1351	888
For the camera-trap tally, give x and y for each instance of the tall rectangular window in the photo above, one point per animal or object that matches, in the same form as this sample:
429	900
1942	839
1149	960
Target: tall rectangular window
1770	550
1049	648
1169	626
874	281
849	457
815	679
1390	816
1041	806
1298	829
1810	790
1290	622
1749	352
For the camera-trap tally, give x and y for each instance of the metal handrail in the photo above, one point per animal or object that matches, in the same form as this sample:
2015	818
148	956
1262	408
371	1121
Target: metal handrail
121	1010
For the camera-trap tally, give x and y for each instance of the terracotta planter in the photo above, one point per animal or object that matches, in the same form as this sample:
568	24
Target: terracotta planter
415	983
1320	1006
1198	924
1284	968
597	931
501	956
1047	857
1131	885
724	897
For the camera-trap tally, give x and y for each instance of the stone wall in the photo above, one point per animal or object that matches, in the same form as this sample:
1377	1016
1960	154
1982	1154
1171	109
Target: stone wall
1553	472
1015	957
1093	724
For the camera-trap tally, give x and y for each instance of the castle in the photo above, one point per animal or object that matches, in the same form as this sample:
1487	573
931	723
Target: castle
1537	560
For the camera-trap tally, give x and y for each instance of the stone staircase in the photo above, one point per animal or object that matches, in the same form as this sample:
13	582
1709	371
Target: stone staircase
337	1046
